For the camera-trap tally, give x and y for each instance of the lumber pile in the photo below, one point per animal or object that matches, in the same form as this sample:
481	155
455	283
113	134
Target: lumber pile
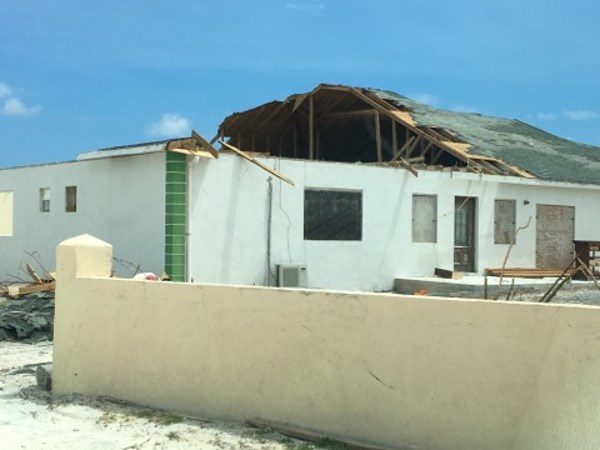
38	284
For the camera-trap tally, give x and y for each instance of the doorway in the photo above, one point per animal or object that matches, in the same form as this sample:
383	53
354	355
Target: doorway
464	234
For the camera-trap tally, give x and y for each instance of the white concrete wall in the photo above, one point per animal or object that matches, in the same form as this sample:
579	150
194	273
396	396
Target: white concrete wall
118	199
230	202
399	371
6	214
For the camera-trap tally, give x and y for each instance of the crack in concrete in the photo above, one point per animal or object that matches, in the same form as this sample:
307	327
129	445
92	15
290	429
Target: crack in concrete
381	381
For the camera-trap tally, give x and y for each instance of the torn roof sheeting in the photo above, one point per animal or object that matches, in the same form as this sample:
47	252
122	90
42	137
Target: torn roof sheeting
544	155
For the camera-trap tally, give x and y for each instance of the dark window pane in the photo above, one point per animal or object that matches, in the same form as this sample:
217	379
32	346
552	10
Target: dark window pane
332	215
71	198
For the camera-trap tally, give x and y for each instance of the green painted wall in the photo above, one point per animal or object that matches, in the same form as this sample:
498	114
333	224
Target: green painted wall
175	216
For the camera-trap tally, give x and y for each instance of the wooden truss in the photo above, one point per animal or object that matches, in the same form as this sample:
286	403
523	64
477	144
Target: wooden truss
342	123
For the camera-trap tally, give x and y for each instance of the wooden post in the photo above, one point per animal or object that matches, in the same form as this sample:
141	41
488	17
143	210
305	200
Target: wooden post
311	131
394	140
378	137
295	140
318	144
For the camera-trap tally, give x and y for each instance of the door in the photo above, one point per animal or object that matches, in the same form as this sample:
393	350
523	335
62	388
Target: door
464	234
554	234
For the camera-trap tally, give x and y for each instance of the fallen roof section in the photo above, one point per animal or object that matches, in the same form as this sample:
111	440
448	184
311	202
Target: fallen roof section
344	123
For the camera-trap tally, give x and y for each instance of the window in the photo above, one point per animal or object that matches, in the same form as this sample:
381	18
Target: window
71	199
505	213
6	213
424	218
331	215
44	199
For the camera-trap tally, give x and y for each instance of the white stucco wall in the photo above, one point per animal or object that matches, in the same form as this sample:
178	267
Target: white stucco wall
397	371
230	204
6	213
118	199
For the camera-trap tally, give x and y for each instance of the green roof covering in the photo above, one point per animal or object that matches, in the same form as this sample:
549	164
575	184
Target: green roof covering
542	154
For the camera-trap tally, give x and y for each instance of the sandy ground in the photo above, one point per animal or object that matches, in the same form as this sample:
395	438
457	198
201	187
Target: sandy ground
31	419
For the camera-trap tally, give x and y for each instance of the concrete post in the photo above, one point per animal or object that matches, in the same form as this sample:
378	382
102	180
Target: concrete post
81	256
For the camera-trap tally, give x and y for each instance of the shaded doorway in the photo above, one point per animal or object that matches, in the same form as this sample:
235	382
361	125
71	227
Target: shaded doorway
464	234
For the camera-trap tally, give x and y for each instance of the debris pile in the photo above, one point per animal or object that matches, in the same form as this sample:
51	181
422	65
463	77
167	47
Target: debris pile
29	318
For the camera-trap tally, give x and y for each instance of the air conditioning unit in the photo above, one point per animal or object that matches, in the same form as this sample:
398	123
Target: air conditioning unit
292	276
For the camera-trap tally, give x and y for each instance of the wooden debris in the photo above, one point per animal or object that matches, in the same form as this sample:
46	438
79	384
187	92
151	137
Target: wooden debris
528	273
17	291
33	274
193	146
443	273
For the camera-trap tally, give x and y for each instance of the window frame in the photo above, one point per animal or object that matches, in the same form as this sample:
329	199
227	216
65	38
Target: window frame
71	207
356	235
44	200
512	238
434	219
7	225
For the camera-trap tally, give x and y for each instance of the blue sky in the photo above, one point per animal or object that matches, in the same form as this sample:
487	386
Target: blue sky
82	75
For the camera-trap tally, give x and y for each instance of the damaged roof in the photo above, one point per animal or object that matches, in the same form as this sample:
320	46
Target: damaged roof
352	124
542	154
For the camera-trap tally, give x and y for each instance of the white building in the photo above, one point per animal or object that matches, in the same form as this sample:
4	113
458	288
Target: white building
384	187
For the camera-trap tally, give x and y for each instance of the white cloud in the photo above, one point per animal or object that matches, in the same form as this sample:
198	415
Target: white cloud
545	116
428	99
315	8
15	107
5	91
170	125
581	115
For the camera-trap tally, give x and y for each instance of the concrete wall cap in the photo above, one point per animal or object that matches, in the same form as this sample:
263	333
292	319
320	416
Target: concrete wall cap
84	240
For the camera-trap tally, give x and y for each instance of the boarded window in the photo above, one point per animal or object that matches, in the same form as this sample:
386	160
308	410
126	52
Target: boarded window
6	213
71	198
424	218
332	215
505	213
44	199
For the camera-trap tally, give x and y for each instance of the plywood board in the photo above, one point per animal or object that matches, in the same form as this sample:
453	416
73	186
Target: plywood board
555	230
405	116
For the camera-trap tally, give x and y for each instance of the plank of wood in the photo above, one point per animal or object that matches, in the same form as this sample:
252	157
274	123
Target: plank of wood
247	157
408	167
405	116
528	273
15	291
205	144
200	153
348	114
311	130
404	147
443	273
32	273
378	137
394	140
299	100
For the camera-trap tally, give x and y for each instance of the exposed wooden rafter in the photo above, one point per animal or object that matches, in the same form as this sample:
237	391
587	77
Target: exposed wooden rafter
331	106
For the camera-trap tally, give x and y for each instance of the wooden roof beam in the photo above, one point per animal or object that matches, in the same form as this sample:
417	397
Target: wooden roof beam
263	166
